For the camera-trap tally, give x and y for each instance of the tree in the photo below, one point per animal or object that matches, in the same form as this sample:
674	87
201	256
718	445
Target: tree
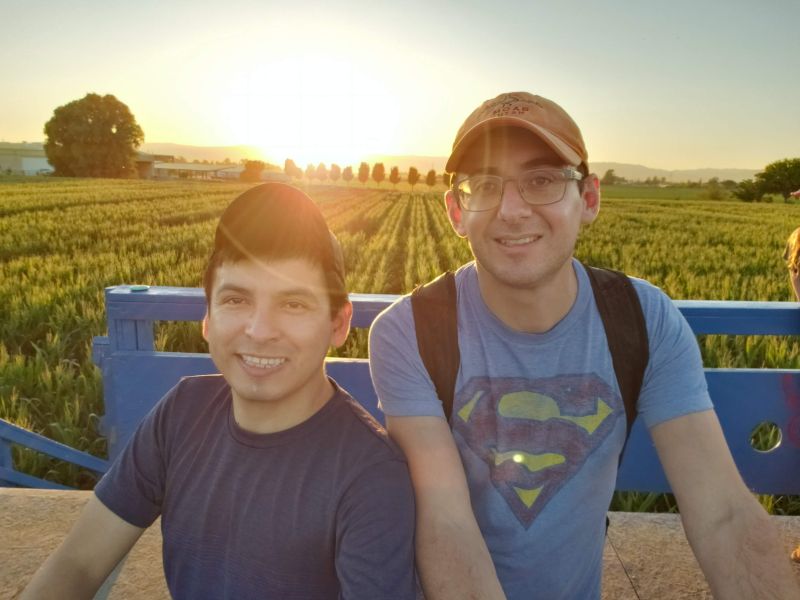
611	178
714	190
430	178
96	136
378	173
413	177
322	172
291	169
780	177
394	176
363	173
749	191
252	170
311	171
335	173
347	175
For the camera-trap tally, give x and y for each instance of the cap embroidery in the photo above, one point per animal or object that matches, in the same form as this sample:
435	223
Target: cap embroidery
513	106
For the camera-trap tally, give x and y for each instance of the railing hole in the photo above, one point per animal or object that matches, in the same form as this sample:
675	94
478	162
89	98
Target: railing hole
765	437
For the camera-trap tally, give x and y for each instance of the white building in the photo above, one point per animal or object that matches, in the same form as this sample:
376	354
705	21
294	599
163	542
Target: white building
23	159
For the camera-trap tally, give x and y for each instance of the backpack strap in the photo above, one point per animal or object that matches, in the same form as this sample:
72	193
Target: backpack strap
626	332
436	325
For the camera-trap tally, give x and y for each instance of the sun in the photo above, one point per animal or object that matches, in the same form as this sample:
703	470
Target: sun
313	108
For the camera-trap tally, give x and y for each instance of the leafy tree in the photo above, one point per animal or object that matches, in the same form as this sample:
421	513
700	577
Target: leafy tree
322	172
335	173
363	173
394	176
446	179
347	174
611	178
378	173
714	191
430	178
413	177
311	171
252	170
780	177
749	191
96	136
291	169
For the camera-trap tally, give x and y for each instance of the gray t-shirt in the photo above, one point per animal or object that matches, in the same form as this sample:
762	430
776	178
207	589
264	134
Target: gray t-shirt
323	510
539	422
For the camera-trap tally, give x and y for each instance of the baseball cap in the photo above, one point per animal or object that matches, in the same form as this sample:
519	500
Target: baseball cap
538	115
280	220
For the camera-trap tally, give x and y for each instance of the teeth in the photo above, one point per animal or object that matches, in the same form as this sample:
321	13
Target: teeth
262	363
518	242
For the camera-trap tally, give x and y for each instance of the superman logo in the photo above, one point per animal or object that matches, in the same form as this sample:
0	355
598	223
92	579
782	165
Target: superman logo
534	435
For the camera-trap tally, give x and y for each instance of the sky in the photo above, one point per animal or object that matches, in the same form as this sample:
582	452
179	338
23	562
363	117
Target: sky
672	85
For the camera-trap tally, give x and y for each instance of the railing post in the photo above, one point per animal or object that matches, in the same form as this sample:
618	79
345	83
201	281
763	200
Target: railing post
6	459
126	333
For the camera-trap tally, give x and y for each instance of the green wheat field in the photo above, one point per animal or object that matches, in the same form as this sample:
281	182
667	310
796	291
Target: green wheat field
62	241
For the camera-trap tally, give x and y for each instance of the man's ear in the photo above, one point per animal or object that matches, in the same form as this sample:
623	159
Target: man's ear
454	213
590	195
341	325
205	326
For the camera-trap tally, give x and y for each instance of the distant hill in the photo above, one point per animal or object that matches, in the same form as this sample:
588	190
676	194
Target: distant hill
640	173
424	163
212	153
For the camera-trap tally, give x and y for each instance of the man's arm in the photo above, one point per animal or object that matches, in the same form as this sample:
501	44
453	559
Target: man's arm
732	537
452	558
375	535
97	542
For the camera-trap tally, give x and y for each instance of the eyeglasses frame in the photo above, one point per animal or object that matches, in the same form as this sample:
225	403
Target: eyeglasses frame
570	173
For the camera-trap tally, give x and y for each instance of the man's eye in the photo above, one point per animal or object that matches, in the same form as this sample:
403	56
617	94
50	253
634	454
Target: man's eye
483	186
539	180
294	305
233	300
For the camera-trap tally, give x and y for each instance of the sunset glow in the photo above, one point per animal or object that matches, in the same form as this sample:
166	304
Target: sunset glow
664	85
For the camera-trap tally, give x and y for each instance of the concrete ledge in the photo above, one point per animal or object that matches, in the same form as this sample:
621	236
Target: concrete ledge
646	555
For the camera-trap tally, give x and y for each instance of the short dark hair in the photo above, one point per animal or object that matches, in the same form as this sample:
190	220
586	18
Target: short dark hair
277	221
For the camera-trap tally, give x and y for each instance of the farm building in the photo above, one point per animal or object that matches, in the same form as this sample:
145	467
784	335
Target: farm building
23	159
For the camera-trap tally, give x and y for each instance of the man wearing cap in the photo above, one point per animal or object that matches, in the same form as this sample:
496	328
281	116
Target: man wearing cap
270	480
512	493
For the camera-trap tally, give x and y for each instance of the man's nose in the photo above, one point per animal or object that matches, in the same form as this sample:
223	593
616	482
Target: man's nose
262	323
512	204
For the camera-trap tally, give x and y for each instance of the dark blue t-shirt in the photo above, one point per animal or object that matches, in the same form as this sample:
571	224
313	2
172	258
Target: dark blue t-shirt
322	510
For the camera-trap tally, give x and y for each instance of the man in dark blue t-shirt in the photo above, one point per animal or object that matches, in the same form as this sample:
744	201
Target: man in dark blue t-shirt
271	482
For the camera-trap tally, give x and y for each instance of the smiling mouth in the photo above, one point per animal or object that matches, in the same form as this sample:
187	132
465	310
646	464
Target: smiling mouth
262	362
518	241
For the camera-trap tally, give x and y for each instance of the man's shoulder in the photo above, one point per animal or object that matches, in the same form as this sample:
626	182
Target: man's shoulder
197	388
655	302
400	311
359	431
191	394
650	296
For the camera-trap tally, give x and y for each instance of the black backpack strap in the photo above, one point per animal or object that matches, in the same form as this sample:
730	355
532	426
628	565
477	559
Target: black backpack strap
626	332
434	308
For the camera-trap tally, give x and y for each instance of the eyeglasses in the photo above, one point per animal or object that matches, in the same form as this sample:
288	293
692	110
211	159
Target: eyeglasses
537	186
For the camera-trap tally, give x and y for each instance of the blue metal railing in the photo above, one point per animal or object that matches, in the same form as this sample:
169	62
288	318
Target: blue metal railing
135	376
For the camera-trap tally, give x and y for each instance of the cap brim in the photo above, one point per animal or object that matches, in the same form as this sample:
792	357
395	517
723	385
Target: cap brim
558	146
